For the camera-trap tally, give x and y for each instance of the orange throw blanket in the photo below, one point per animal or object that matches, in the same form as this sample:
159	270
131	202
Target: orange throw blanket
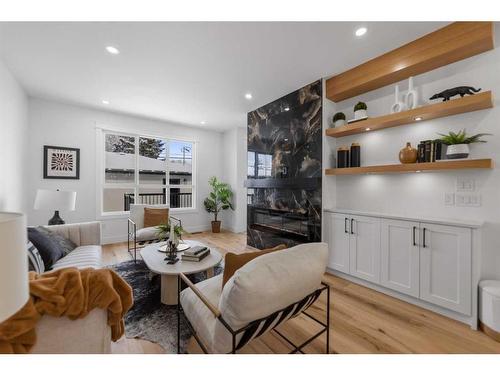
67	292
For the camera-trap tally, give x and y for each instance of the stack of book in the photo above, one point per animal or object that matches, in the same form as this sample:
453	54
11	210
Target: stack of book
430	151
195	254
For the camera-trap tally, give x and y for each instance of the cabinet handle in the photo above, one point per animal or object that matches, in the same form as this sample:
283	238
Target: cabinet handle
414	241
424	239
345	225
352	226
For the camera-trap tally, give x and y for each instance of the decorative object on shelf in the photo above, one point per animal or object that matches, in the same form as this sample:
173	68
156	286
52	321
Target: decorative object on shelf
411	97
458	143
219	200
459	90
408	154
55	200
355	155
338	119
61	162
343	157
398	105
360	111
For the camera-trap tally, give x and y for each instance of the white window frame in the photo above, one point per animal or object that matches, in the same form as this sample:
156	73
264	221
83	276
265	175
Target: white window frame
136	185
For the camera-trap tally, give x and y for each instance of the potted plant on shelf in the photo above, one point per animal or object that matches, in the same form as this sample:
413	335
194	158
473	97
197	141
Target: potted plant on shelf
218	200
338	119
458	143
360	111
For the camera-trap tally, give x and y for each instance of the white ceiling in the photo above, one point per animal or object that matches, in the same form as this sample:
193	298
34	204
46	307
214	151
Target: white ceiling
189	72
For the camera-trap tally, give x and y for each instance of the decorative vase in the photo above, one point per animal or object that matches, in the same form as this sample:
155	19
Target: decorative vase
408	154
411	98
339	123
460	151
360	113
398	106
216	226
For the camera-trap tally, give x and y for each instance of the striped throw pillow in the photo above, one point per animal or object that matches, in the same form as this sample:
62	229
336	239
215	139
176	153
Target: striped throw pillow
35	261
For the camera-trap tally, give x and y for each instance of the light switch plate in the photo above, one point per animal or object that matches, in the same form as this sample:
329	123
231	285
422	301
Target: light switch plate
449	199
466	185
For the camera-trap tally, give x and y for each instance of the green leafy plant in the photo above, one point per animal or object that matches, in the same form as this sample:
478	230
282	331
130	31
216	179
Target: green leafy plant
164	230
219	198
339	116
461	138
360	106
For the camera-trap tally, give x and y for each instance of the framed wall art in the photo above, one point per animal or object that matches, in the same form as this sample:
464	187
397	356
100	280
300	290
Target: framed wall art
61	162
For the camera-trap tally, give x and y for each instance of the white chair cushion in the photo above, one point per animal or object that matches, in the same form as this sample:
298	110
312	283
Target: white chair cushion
137	213
146	234
81	257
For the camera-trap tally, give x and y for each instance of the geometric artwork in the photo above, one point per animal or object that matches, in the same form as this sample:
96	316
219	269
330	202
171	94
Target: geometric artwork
61	162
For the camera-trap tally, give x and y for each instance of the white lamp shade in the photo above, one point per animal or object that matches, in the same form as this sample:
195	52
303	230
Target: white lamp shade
14	287
55	200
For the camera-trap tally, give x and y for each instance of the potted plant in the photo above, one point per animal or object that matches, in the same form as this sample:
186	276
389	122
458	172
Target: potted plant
360	111
458	143
164	231
218	200
338	119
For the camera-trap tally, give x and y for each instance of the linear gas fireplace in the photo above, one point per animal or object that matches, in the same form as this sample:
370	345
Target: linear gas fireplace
284	170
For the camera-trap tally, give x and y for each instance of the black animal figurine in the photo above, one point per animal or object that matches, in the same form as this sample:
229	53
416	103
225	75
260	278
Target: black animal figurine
460	90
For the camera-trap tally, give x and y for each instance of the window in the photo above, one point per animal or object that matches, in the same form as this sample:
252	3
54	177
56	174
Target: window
146	170
259	165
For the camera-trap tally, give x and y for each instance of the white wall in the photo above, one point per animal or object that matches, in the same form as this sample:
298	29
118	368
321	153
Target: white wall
13	142
422	194
57	124
235	173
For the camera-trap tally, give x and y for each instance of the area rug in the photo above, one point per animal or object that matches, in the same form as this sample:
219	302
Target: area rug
149	319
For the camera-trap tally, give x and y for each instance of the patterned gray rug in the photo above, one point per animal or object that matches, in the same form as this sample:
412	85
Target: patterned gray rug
149	319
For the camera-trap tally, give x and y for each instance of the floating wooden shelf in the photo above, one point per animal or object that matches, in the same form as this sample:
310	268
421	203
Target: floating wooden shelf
442	109
416	167
449	44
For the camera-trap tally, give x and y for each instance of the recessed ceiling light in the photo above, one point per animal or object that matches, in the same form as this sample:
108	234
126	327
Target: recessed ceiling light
418	171
287	109
418	118
248	96
203	122
105	101
361	31
112	50
368	129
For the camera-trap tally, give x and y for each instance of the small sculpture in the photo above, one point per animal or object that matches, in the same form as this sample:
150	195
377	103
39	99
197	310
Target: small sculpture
411	98
460	90
398	105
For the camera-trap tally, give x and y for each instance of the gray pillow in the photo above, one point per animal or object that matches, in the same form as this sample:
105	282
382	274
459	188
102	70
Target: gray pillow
49	249
65	244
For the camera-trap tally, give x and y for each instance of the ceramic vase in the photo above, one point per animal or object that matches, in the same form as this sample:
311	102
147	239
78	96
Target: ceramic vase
360	113
408	154
411	98
339	123
457	151
398	105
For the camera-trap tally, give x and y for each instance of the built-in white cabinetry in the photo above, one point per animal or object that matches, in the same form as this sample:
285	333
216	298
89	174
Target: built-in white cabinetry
431	262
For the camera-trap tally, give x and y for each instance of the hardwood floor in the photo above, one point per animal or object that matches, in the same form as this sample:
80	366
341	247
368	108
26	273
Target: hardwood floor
362	320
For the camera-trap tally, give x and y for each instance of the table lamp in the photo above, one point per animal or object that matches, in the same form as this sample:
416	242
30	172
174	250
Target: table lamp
14	287
55	200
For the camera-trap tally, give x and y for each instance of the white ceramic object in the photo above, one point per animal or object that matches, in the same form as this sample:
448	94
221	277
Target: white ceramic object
489	304
398	105
411	97
360	113
339	123
460	151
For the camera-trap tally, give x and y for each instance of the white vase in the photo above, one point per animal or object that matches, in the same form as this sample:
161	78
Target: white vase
360	113
339	123
411	98
460	151
398	106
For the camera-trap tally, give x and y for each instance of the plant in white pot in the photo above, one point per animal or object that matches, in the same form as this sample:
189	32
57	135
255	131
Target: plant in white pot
360	111
339	119
218	200
458	143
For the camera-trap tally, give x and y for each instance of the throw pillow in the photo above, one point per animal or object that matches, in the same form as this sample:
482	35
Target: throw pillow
48	248
35	261
233	262
155	216
66	244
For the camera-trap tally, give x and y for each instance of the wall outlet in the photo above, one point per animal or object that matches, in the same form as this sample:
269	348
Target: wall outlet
449	199
468	200
466	185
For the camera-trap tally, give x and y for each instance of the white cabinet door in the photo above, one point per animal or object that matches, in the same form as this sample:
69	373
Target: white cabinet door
400	256
338	242
365	248
445	266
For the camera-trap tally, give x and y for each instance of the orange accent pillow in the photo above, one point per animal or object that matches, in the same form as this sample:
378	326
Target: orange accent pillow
155	216
233	262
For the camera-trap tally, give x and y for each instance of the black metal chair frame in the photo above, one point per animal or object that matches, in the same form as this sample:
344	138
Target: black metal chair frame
132	237
234	333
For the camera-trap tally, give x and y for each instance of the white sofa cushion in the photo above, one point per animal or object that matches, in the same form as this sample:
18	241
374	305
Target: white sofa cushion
81	257
146	234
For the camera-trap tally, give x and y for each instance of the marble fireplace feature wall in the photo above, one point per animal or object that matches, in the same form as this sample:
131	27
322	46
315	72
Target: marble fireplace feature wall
284	170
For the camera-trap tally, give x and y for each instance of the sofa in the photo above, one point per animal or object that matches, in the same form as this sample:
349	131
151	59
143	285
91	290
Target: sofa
92	333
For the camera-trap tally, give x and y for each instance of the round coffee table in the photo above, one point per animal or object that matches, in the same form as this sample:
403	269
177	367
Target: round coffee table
155	261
